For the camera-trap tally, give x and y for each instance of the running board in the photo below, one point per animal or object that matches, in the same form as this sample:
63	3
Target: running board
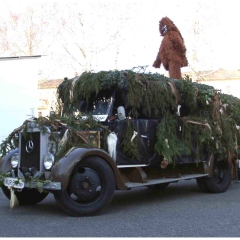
164	180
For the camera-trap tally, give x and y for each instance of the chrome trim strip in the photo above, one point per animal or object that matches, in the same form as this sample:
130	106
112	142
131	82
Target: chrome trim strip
131	166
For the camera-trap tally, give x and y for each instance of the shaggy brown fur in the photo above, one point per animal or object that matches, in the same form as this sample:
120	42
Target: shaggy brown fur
172	51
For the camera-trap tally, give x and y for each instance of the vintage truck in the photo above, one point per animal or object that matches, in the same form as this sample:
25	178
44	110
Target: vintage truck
117	130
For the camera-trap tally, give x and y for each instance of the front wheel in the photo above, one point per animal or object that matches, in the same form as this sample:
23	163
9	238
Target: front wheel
220	180
91	188
28	196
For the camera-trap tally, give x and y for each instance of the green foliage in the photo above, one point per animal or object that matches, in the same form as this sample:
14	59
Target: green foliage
197	136
74	124
11	142
145	92
140	90
207	119
64	95
130	147
86	86
168	144
2	176
8	144
39	183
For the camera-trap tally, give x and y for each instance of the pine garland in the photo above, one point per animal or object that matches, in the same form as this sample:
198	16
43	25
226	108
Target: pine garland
168	144
130	146
74	125
209	114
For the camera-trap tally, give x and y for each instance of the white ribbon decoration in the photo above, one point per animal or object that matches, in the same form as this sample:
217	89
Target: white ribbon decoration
112	145
13	198
134	135
178	110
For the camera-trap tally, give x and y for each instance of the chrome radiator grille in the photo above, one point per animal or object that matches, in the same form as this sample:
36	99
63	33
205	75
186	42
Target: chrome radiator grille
30	151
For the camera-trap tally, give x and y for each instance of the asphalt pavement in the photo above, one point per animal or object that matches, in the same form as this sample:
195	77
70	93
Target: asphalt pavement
181	210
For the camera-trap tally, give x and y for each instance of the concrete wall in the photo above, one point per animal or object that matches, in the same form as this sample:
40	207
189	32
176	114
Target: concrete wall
18	92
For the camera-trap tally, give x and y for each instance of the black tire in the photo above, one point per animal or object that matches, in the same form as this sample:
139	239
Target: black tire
28	196
157	187
91	188
201	182
219	182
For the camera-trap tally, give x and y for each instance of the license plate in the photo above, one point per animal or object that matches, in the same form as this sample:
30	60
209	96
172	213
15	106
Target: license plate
13	182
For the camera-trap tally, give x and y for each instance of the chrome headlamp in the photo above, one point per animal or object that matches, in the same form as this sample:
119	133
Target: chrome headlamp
48	161
14	160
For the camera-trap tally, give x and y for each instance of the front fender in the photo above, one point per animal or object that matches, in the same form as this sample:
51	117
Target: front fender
62	170
5	164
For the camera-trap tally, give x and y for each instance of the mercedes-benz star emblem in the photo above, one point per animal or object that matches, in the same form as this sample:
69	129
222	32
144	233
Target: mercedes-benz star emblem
29	146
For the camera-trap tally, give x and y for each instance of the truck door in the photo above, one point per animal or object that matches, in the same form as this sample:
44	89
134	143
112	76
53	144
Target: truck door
144	140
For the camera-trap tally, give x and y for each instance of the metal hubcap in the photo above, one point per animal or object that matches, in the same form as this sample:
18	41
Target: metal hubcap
85	185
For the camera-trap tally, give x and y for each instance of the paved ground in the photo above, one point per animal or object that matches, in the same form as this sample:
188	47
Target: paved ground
181	210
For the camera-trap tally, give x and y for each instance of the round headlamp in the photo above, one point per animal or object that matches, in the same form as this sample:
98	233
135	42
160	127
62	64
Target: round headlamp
14	160
48	161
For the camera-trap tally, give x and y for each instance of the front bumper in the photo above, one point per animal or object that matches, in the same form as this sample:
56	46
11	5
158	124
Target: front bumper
18	183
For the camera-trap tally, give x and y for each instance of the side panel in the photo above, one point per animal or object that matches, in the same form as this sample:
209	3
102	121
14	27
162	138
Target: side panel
62	170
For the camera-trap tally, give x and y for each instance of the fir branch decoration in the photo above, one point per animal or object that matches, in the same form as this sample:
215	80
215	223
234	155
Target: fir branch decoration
11	142
159	96
168	144
2	176
146	96
130	146
64	96
74	124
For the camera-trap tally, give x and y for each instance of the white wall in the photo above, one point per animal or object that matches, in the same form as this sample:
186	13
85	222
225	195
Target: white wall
230	87
18	92
48	95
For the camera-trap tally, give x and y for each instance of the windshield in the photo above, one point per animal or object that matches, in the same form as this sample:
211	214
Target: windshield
99	109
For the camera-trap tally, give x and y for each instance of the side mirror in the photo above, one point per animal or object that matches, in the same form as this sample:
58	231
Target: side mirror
121	112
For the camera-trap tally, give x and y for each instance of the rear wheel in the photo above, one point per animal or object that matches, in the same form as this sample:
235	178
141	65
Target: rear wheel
90	189
220	180
28	196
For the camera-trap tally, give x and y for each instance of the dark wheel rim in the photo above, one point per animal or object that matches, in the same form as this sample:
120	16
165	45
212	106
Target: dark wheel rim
85	186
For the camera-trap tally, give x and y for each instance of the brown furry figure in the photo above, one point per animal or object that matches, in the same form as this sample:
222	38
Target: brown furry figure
172	51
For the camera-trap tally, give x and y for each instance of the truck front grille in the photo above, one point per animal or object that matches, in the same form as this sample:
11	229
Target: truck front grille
30	156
